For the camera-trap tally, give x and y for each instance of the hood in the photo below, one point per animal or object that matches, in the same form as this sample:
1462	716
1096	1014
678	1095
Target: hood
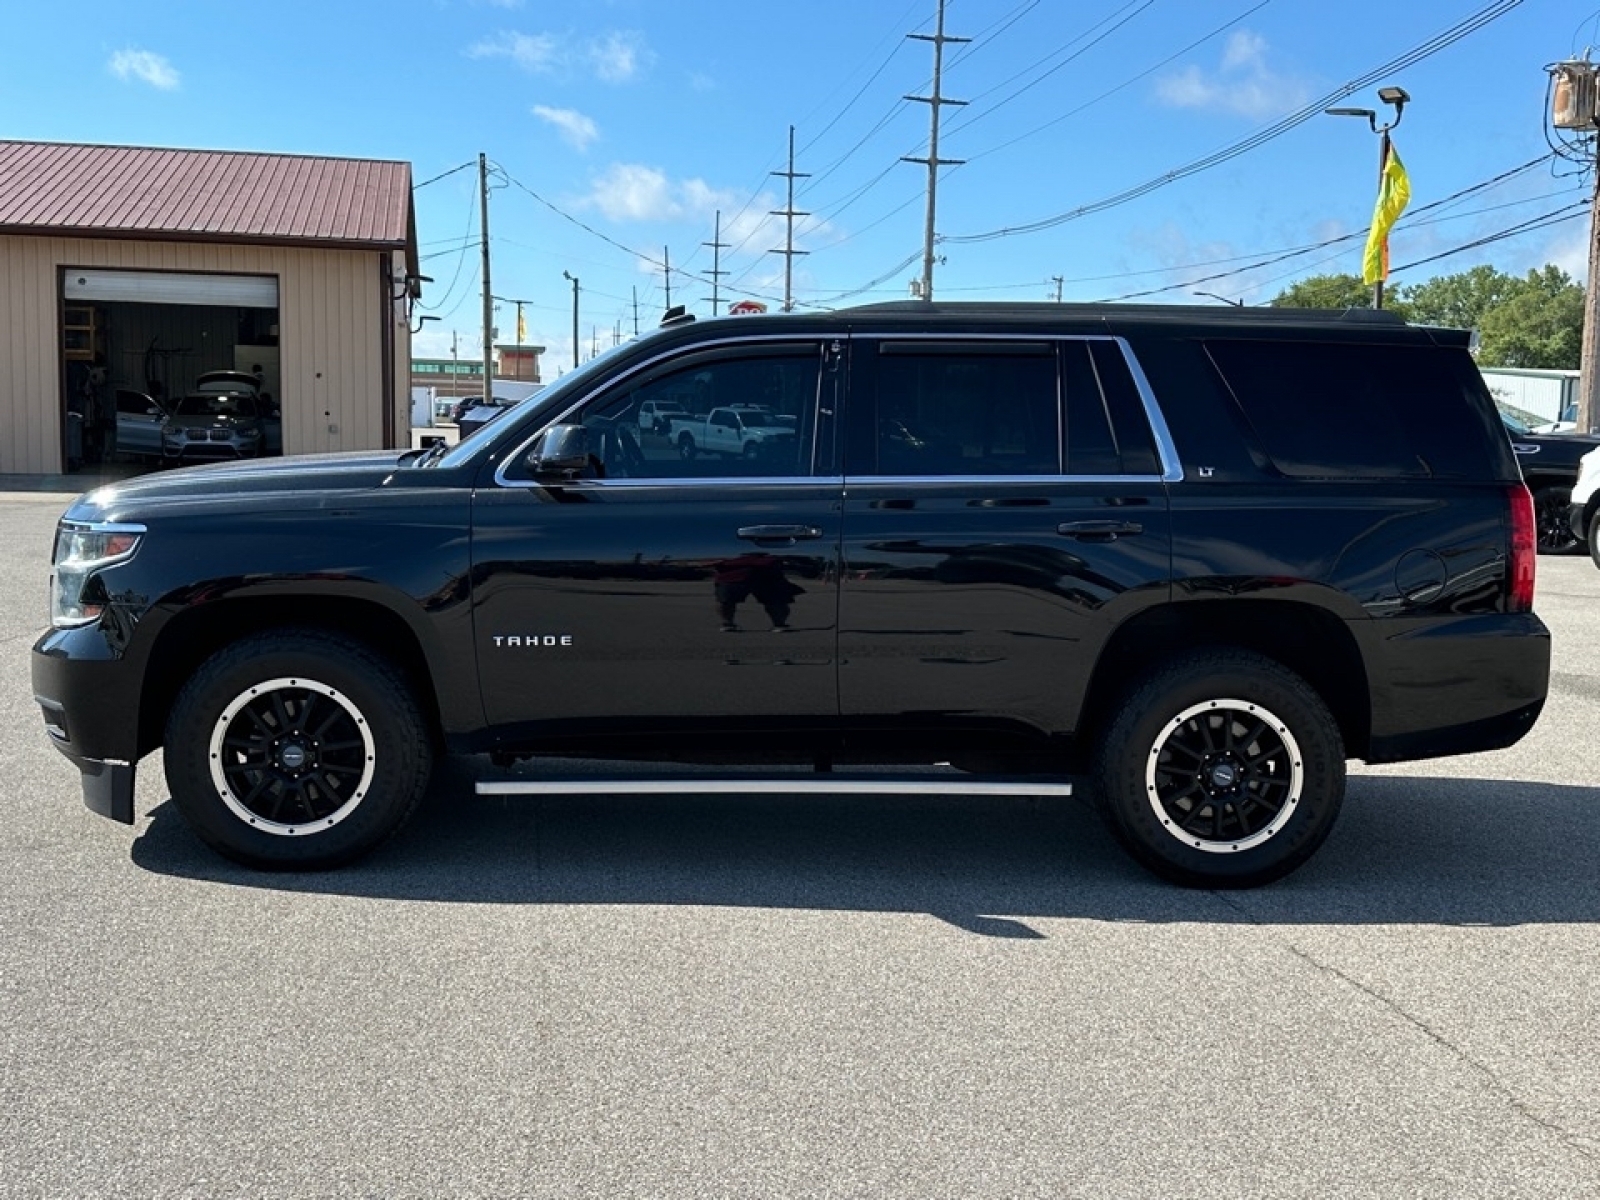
210	420
314	479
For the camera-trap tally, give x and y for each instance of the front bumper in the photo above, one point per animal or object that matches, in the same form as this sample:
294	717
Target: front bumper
90	715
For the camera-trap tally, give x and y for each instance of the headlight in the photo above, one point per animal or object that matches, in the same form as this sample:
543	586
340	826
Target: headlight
81	550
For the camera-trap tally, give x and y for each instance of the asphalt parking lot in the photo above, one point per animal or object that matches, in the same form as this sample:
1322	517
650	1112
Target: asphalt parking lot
702	996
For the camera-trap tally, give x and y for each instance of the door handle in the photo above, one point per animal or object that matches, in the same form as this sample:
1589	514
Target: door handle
1099	531
779	533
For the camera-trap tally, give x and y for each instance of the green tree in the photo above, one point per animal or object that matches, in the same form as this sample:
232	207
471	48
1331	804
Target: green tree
1539	325
1325	291
1534	321
1459	301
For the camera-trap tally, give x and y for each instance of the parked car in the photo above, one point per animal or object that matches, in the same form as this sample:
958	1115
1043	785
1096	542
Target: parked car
139	420
1583	516
736	430
1549	463
473	413
1159	547
267	407
656	415
207	426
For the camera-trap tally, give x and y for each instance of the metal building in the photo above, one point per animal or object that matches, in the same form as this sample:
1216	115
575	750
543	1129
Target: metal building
154	266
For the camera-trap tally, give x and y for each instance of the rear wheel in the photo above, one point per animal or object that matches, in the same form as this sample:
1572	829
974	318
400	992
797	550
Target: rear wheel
1550	509
296	750
1221	770
1594	538
686	446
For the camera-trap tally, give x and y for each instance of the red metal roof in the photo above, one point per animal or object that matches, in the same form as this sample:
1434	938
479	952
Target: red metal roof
203	195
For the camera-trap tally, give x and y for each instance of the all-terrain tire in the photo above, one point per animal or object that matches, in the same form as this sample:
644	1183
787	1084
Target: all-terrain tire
1222	769
296	750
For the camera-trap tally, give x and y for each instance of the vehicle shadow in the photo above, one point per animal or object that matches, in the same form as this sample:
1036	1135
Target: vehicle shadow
1407	849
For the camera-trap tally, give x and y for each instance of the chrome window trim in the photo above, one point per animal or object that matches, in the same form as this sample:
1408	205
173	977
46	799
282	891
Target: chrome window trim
1166	449
1008	480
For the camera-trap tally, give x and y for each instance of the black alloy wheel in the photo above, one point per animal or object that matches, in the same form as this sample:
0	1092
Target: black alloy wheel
1221	769
1550	510
297	750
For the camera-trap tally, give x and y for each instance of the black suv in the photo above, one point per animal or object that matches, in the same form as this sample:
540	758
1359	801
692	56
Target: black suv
1156	547
1549	463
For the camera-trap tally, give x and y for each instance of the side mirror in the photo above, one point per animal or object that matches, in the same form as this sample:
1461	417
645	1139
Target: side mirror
561	454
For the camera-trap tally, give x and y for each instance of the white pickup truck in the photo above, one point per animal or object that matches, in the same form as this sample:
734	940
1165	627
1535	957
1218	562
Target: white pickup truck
734	430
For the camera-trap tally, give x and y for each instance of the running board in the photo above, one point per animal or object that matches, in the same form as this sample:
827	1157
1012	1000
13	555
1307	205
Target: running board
798	785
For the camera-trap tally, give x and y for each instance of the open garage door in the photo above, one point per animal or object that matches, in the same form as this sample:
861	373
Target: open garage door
140	346
172	287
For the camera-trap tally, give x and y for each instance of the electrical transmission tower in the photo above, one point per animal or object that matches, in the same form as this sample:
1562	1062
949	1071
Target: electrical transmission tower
934	102
717	247
789	214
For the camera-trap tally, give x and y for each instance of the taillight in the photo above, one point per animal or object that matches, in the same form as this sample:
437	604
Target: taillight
1524	548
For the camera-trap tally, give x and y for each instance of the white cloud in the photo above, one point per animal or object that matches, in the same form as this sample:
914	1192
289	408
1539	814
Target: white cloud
614	57
1243	84
146	67
531	52
633	192
618	57
575	128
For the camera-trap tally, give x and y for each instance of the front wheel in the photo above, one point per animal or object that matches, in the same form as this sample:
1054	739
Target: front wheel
1550	515
1594	539
296	750
1221	770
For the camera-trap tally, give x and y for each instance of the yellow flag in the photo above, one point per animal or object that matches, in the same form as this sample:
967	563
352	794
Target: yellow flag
1394	193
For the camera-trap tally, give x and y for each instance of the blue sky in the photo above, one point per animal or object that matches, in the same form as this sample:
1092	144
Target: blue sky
619	128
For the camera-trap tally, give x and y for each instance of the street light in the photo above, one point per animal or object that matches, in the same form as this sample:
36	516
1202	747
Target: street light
1399	98
1224	299
574	278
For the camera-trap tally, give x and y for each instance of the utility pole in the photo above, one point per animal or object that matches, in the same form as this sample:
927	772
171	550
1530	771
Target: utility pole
1589	359
1575	108
636	310
666	272
717	247
789	214
574	278
488	291
934	103
1059	280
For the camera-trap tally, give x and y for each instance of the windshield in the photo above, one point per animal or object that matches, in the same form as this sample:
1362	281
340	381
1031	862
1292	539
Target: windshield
556	395
228	404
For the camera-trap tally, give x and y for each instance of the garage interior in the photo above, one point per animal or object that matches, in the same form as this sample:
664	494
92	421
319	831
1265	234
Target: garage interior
154	333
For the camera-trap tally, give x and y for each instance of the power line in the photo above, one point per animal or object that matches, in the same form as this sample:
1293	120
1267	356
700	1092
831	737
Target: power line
443	175
1416	54
1126	83
1311	248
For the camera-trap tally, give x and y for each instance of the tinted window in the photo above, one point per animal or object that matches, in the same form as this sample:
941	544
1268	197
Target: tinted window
1135	444
966	410
1107	431
739	414
1343	410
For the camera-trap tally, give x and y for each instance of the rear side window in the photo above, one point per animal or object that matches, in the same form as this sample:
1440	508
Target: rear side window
1107	432
1331	410
966	410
